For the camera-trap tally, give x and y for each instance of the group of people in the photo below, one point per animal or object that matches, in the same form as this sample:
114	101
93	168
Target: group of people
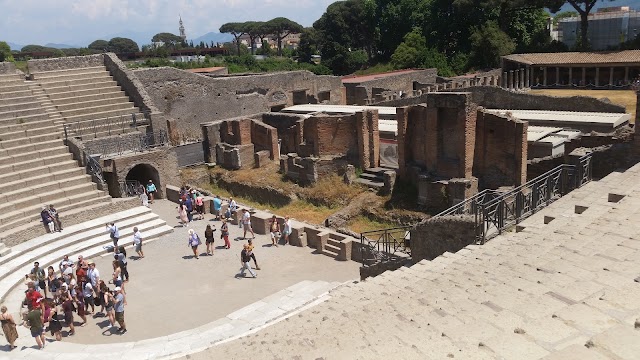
190	201
51	219
147	193
53	296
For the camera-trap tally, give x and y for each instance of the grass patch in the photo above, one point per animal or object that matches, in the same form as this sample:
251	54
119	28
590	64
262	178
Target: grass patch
626	98
362	224
22	66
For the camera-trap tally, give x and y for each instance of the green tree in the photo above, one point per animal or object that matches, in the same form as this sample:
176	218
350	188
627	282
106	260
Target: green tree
5	52
170	40
395	19
413	52
36	48
489	43
121	45
563	15
280	28
99	45
583	7
308	45
255	30
235	29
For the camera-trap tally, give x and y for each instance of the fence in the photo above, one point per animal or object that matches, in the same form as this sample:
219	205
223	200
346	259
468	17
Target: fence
94	168
493	211
130	188
132	143
114	125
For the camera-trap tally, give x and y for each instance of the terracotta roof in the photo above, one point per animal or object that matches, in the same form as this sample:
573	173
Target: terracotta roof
567	58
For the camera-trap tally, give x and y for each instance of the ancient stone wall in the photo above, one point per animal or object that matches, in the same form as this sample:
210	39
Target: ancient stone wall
332	135
436	236
7	68
265	137
129	83
289	128
193	99
65	63
362	93
500	157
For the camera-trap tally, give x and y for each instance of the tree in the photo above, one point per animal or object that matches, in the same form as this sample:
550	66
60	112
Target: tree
308	45
99	45
413	52
168	39
121	45
255	30
36	48
489	43
280	28
5	52
235	29
563	15
584	7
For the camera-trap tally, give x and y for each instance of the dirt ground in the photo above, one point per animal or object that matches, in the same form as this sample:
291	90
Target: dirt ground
627	98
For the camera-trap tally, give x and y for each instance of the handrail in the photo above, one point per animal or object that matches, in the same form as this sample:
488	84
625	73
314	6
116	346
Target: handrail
130	142
94	168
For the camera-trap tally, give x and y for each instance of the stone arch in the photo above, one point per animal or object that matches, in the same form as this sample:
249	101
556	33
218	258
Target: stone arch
143	172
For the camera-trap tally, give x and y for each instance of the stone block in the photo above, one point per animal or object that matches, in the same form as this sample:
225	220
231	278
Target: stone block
389	178
172	193
261	158
260	222
298	236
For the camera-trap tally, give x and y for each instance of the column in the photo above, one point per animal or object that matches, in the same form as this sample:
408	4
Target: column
626	75
544	76
557	75
611	76
584	76
527	77
505	80
512	80
532	81
570	76
597	76
521	79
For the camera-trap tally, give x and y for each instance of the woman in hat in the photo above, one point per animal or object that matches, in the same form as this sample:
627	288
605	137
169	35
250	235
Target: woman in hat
194	241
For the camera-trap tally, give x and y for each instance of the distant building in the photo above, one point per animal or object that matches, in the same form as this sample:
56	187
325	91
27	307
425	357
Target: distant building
608	28
290	41
183	34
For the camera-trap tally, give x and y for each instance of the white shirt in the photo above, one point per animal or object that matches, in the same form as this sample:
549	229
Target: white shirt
137	238
246	218
65	262
233	206
93	275
88	290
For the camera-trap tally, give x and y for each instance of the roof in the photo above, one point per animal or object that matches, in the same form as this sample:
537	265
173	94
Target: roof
612	120
355	79
205	70
337	109
577	58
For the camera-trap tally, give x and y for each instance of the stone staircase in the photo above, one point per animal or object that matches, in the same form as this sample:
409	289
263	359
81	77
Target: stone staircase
88	239
89	101
564	286
373	177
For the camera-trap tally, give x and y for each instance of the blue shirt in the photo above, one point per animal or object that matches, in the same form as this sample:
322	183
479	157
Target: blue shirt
217	203
119	305
151	187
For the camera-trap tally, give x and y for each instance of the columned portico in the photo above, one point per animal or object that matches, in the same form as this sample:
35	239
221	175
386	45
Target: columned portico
597	76
544	76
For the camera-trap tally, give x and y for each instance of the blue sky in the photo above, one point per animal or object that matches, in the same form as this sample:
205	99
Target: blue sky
78	22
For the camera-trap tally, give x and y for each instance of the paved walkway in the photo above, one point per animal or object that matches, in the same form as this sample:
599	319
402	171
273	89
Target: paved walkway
170	291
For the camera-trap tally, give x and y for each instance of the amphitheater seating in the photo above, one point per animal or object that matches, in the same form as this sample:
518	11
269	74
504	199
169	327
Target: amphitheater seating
89	101
562	287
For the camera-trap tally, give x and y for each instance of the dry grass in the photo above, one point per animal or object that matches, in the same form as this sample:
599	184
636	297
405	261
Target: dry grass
362	224
626	98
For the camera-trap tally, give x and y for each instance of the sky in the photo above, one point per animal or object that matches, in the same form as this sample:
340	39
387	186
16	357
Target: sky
79	22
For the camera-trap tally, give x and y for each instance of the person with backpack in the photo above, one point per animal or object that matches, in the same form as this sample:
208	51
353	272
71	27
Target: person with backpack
114	233
194	241
200	205
189	206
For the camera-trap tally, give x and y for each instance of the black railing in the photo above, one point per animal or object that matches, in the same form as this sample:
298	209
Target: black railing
114	125
94	168
128	143
130	188
493	211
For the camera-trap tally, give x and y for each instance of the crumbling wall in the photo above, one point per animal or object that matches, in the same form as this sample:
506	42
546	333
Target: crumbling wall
289	128
265	137
434	237
193	99
331	135
65	63
500	157
361	93
7	68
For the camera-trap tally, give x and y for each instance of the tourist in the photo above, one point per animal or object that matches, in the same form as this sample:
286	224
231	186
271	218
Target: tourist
246	223
208	236
217	206
35	323
82	264
68	308
114	233
64	263
182	212
52	282
8	327
94	275
108	301
47	220
117	275
137	242
245	258
199	201
253	255
121	258
55	326
144	198
189	206
55	217
233	208
118	307
151	190
80	306
39	277
224	234
194	241
286	231
274	230
87	293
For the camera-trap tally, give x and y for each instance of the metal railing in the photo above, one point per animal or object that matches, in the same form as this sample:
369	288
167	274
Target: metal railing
94	168
130	188
131	142
113	125
493	211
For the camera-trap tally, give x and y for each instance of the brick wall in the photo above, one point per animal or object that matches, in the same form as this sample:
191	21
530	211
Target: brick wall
434	237
332	135
265	137
500	157
359	93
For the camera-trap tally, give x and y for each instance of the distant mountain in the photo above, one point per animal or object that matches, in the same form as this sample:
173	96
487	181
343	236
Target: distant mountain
212	36
61	46
14	46
634	4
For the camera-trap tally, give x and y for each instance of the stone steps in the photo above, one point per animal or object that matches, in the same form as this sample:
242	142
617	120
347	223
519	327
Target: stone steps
29	131
36	162
66	90
26	156
13	114
117	113
18	100
47	187
72	95
45	198
87	100
107	130
12	88
34	177
89	243
9	95
64	80
97	107
29	147
27	119
27	126
55	73
21	103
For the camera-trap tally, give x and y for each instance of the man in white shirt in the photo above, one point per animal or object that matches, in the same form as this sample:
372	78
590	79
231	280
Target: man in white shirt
94	276
65	262
246	222
87	293
137	242
233	208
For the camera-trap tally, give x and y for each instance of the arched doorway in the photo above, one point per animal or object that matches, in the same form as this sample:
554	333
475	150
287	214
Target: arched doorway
141	174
